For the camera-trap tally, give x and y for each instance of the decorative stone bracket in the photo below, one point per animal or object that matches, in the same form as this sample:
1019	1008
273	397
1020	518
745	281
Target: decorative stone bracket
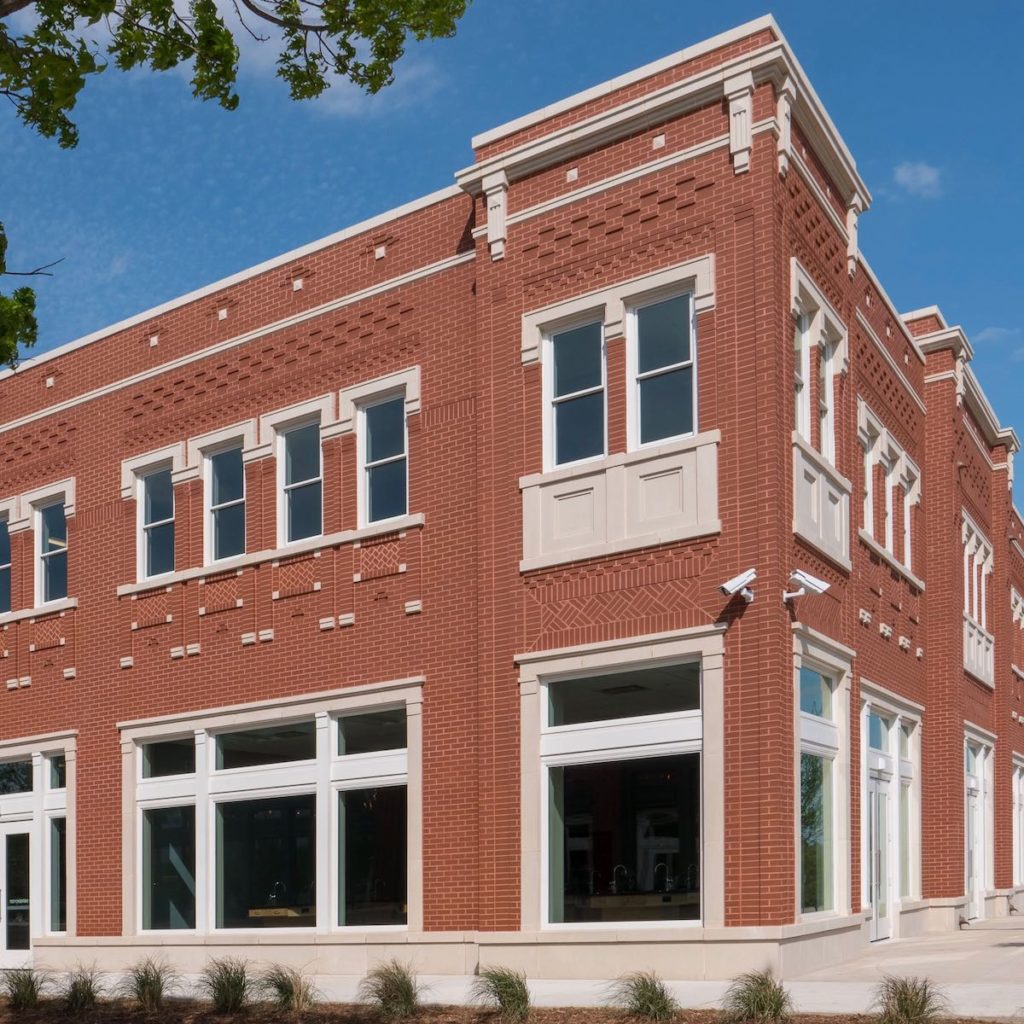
739	90
495	188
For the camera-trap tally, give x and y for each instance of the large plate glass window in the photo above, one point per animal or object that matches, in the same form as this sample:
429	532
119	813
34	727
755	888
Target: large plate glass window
577	394
157	523
622	759
663	359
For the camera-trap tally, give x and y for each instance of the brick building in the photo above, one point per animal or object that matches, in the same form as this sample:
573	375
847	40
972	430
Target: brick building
582	568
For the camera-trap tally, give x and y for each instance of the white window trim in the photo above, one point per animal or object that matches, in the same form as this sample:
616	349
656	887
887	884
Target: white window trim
634	302
985	742
140	520
349	399
1018	820
32	505
801	377
325	776
705	644
827	738
823	327
978	564
8	565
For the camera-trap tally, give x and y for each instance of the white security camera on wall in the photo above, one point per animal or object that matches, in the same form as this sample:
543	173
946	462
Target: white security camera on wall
740	585
806	583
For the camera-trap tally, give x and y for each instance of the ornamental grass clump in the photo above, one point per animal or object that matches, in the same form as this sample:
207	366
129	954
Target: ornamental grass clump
148	983
644	995
909	1001
287	989
757	998
82	990
226	983
505	991
24	987
391	988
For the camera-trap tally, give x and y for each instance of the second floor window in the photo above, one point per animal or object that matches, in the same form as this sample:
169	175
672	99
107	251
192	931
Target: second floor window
52	552
385	461
663	364
157	523
226	504
5	567
577	394
302	483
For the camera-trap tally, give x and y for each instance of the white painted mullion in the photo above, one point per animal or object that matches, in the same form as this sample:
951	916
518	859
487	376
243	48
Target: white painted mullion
205	854
325	866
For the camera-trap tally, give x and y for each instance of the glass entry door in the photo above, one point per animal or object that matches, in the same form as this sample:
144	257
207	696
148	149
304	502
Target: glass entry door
879	872
15	895
975	851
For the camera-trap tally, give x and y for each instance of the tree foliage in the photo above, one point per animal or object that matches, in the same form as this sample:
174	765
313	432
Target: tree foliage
45	65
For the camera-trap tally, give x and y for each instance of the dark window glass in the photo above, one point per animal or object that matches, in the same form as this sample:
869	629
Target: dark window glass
169	757
169	868
579	428
58	772
304	511
815	693
385	429
5	567
648	691
266	863
15	777
18	897
229	531
53	551
226	476
58	875
663	334
302	454
625	841
159	549
372	842
275	745
378	730
815	833
387	487
577	359
159	497
666	405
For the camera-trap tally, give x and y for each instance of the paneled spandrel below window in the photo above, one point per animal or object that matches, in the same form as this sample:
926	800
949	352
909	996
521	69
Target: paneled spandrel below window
624	841
266	863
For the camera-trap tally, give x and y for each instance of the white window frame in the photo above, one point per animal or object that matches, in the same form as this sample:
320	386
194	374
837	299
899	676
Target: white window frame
142	527
801	377
636	302
551	331
817	324
284	489
826	738
363	484
210	510
826	401
9	566
984	743
327	775
1018	820
40	556
978	564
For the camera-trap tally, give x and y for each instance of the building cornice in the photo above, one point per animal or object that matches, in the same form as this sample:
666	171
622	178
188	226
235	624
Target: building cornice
775	62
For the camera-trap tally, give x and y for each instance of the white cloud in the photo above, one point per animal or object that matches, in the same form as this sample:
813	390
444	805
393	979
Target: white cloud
997	335
918	179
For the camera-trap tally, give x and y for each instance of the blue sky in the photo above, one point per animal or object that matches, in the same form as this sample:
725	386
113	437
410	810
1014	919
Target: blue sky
165	194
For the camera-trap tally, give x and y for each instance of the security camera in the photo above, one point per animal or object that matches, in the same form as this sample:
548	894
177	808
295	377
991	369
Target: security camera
805	583
740	585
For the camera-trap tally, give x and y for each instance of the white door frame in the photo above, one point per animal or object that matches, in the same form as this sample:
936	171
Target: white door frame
880	848
19	957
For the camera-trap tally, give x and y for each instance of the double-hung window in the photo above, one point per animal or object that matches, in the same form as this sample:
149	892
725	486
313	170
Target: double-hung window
385	460
801	374
302	482
52	552
577	401
5	567
225	503
662	369
157	522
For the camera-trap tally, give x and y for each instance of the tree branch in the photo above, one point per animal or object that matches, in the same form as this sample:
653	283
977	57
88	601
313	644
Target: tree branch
8	7
275	20
43	271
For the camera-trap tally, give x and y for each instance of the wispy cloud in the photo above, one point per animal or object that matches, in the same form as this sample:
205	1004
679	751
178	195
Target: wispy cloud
918	179
998	335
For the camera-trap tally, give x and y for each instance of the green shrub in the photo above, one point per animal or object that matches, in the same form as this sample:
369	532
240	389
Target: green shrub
287	989
392	988
757	998
82	990
505	990
226	983
149	982
24	987
909	1001
644	994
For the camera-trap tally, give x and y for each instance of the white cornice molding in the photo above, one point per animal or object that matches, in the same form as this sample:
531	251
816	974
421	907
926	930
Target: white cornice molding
449	192
774	62
925	311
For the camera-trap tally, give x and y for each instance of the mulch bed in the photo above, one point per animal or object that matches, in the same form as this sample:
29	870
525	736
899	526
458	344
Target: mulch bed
180	1012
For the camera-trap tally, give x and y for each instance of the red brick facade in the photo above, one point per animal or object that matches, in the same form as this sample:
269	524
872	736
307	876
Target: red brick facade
444	286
